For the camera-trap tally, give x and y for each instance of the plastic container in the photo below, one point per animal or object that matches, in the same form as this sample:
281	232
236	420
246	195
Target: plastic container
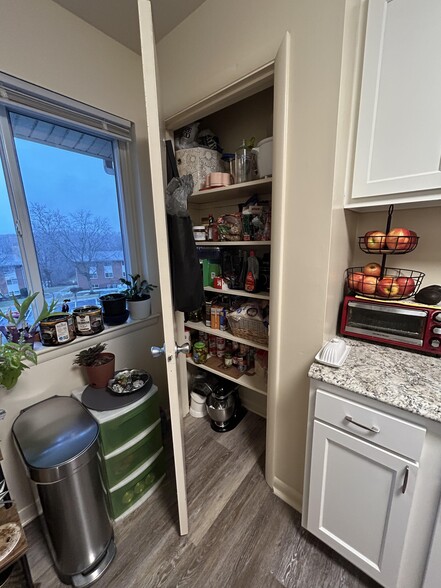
198	405
199	233
130	457
252	277
117	430
126	496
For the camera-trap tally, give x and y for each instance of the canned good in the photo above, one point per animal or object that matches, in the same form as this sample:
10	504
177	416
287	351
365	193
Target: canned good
88	320
242	363
57	329
212	344
199	352
220	346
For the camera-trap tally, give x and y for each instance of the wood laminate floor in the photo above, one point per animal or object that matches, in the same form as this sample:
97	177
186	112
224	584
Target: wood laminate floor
241	534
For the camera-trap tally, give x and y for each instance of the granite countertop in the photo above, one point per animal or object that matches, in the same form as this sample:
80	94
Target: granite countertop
407	380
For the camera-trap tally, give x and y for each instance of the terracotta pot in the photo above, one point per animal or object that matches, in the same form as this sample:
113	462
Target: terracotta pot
99	375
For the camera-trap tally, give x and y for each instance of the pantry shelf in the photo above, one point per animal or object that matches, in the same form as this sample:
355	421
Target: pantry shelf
200	326
236	243
245	189
244	293
256	383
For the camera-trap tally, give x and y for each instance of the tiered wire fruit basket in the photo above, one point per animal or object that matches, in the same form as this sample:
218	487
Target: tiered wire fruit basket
379	281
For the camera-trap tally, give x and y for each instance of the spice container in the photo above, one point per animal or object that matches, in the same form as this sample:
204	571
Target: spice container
199	233
199	352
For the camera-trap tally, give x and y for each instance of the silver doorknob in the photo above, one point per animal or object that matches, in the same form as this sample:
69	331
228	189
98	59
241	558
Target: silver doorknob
185	348
157	351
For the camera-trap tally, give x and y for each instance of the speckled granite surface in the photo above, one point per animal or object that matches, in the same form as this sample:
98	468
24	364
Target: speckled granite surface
404	379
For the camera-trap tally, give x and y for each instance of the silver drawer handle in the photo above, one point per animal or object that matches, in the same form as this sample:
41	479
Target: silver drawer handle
373	429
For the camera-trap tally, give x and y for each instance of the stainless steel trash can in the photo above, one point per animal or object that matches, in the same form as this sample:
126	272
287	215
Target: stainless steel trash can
58	441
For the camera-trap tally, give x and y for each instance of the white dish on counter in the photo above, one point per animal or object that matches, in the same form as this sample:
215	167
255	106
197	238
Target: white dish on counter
333	353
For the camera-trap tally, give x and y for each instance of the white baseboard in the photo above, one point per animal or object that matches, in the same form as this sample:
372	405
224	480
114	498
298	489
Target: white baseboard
28	514
288	494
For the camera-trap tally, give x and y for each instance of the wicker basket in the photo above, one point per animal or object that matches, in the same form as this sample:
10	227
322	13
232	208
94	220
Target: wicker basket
248	327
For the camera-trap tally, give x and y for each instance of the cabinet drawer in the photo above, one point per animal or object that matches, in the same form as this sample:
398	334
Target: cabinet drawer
122	464
388	431
129	494
118	431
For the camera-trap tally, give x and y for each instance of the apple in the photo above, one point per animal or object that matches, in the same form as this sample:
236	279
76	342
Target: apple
354	280
400	239
375	240
368	285
407	285
372	269
388	287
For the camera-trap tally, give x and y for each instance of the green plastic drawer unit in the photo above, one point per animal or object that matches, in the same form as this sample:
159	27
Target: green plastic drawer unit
128	458
128	423
126	495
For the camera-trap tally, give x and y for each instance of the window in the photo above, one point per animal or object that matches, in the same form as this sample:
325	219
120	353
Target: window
62	207
108	271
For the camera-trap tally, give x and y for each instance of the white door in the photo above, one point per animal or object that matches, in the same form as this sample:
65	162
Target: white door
359	501
156	154
398	146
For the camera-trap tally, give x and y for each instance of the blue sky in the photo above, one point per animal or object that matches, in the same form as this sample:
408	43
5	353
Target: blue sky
62	180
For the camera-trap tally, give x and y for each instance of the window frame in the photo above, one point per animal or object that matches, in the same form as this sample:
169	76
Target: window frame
77	115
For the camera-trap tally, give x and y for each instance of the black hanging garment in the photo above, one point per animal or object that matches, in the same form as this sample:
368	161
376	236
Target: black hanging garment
186	274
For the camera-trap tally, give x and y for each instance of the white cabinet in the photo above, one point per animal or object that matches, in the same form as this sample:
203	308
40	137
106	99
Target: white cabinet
398	143
359	489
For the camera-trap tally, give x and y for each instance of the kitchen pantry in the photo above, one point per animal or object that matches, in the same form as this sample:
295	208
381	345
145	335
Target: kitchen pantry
254	106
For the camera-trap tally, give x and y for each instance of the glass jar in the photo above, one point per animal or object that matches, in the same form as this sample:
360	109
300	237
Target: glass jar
243	164
199	352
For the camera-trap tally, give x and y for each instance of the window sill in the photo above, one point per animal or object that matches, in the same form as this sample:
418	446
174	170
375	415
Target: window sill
48	353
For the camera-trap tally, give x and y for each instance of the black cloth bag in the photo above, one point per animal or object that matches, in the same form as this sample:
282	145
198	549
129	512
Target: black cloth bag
188	289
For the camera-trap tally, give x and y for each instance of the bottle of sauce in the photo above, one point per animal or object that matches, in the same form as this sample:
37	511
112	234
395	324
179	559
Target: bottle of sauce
252	274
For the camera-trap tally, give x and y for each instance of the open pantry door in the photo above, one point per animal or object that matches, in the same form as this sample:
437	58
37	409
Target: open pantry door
156	154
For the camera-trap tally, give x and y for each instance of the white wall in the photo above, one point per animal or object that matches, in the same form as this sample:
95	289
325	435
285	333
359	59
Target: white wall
219	43
42	43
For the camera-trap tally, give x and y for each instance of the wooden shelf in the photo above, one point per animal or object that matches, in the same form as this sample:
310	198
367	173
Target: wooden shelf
256	383
225	334
236	243
244	293
243	190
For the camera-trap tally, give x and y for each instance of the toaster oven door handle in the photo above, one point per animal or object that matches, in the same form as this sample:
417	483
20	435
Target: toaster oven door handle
372	429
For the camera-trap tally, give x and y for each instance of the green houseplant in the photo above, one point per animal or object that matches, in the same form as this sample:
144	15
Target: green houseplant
18	330
99	366
12	357
138	296
19	335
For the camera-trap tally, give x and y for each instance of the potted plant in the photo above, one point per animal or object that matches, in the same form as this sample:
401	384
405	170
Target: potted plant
18	330
114	307
100	367
138	296
12	356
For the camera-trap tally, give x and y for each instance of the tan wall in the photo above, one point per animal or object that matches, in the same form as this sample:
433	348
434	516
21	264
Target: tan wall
216	45
42	43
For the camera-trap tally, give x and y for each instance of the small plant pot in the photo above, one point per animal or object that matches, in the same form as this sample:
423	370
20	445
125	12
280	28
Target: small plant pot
139	309
113	304
99	375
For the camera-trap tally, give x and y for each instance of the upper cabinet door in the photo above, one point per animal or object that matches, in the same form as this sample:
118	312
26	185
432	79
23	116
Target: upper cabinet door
398	145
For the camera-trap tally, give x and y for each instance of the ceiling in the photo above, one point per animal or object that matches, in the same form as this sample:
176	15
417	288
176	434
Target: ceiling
119	18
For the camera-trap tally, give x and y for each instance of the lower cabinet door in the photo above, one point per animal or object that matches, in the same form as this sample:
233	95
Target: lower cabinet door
359	501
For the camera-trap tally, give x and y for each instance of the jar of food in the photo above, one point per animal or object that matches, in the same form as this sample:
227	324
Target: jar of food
199	352
228	359
242	363
199	233
220	347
